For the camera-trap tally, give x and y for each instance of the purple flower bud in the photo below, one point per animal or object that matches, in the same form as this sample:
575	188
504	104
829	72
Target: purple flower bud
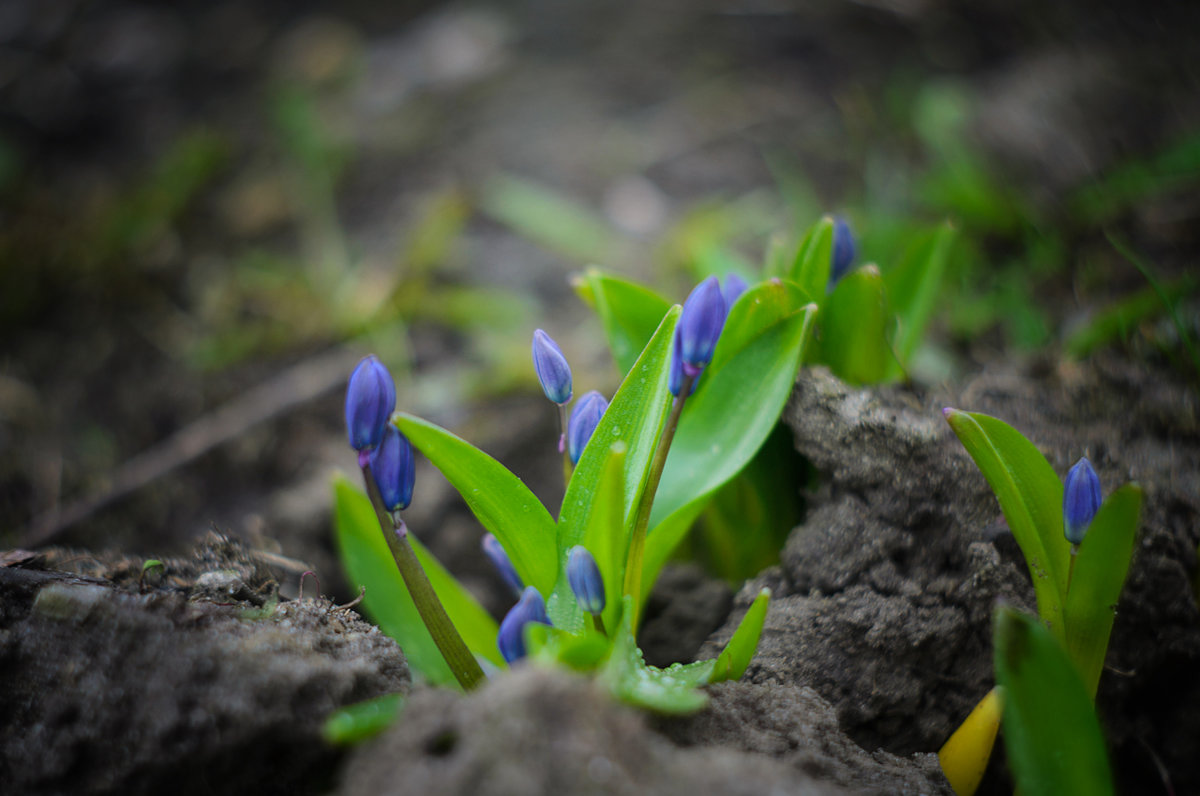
502	563
584	577
394	470
733	287
370	401
585	416
843	251
1081	500
511	639
552	369
697	332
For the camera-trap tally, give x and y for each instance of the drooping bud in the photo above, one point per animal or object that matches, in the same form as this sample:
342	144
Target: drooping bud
732	288
843	251
370	401
585	416
584	577
552	369
1081	500
511	638
394	470
500	560
697	332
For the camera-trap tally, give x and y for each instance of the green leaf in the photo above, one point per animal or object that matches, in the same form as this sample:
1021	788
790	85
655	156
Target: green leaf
630	313
635	417
1053	738
1030	496
605	537
740	397
672	690
810	269
664	538
746	522
913	288
362	720
368	562
732	662
584	652
854	323
497	498
1100	569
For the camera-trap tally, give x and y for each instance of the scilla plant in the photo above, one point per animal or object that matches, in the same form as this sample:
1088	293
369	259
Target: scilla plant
868	326
707	387
1078	550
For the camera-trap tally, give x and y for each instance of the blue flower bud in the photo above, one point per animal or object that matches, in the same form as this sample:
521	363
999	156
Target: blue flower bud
697	332
511	638
394	470
732	288
585	416
500	560
552	369
843	251
584	577
370	401
1081	500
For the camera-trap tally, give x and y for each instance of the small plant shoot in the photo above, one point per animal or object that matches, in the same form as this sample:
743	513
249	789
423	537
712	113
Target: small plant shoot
1078	548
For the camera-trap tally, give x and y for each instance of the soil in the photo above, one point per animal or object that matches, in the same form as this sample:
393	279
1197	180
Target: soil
214	673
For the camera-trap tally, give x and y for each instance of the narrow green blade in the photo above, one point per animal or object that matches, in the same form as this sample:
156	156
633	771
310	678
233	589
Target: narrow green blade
497	498
732	662
854	324
630	313
1100	569
362	720
913	288
368	562
1030	496
810	269
673	690
1051	732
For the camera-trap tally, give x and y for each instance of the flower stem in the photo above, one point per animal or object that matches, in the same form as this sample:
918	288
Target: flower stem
562	445
462	663
637	543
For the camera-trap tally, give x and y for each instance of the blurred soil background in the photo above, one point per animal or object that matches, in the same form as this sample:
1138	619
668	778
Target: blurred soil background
210	211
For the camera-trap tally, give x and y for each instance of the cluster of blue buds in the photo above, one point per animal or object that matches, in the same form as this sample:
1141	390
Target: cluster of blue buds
843	252
1081	500
700	326
500	560
586	415
584	578
370	401
552	369
511	639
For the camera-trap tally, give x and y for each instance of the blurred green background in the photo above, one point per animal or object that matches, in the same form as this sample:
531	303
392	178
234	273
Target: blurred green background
211	210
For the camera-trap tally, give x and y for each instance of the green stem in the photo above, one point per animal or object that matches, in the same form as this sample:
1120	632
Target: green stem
598	624
637	543
462	663
568	468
